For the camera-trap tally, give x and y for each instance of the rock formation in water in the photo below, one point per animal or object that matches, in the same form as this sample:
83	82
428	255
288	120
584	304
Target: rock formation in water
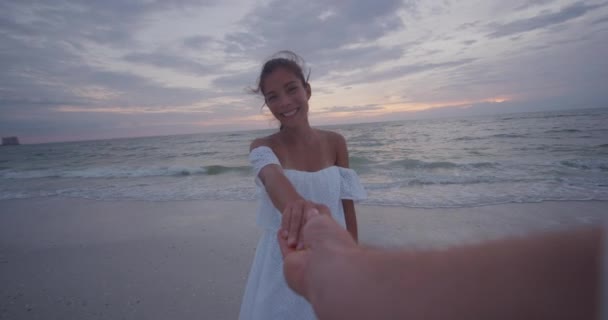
10	141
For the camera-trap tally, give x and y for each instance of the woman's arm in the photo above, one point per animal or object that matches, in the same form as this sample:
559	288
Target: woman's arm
348	205
351	219
283	196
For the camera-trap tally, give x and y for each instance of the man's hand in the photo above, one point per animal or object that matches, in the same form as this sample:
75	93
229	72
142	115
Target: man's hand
322	241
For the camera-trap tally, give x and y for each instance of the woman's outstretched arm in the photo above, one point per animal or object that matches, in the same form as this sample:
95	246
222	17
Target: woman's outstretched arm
283	195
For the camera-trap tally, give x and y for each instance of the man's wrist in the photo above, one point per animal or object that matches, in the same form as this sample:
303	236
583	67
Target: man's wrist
343	273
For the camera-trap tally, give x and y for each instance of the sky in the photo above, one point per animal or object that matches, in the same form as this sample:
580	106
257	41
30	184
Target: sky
79	70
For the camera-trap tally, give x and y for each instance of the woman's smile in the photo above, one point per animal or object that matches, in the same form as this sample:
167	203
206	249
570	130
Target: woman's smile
291	113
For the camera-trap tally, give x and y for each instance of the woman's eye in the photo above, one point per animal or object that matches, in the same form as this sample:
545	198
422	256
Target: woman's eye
270	99
292	89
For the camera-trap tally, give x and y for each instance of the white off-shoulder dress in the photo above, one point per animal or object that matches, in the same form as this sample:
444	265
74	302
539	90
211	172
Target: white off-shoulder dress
267	295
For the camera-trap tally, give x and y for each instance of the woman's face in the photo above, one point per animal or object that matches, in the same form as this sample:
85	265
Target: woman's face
286	97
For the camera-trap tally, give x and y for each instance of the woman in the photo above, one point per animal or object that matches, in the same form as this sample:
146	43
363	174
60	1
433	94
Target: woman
296	164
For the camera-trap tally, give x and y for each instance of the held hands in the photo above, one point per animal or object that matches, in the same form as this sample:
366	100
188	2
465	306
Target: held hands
322	246
293	220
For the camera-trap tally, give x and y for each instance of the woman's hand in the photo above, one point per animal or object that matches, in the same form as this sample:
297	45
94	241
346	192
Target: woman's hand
293	220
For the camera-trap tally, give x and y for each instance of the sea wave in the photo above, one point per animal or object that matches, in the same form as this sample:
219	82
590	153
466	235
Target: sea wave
134	148
364	144
215	170
418	164
508	135
586	164
198	154
563	131
447	180
356	160
467	138
498	135
124	172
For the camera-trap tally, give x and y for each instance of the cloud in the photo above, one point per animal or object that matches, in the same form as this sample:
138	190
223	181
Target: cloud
320	31
489	108
133	90
349	59
111	22
239	108
574	66
46	58
173	62
56	74
468	25
532	3
28	68
599	21
369	107
402	71
326	63
540	21
53	126
198	42
238	81
118	65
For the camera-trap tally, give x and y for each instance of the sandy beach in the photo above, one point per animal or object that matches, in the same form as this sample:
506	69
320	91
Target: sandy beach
85	259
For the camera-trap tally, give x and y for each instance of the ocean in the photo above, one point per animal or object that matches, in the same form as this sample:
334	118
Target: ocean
458	162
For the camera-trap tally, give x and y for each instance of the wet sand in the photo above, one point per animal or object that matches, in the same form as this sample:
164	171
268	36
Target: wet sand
86	259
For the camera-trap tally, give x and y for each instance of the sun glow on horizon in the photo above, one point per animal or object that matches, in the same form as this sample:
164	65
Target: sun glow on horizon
414	107
498	100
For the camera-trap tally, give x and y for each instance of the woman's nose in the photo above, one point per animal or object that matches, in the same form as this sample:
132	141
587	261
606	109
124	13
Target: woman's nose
284	100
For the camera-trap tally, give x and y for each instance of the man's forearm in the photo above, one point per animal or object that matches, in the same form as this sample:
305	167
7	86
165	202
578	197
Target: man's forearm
552	276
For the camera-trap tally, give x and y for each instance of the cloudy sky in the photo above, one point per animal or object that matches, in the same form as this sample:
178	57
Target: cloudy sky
91	69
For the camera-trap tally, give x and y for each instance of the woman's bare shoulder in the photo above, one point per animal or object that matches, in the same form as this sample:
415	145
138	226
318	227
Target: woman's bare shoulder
334	138
267	141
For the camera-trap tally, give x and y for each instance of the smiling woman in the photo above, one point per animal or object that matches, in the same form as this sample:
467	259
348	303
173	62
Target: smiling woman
284	65
294	165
